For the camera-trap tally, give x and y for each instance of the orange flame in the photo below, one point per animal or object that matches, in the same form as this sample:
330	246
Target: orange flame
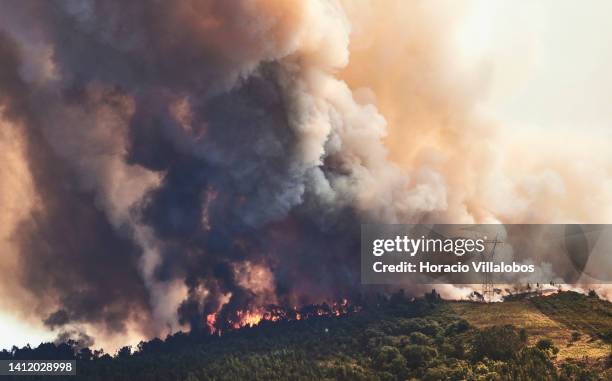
256	315
211	319
247	319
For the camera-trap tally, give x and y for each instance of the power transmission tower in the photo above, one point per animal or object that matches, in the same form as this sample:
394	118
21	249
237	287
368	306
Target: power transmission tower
488	288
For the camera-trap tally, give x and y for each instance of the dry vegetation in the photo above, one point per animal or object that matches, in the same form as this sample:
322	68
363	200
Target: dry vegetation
553	317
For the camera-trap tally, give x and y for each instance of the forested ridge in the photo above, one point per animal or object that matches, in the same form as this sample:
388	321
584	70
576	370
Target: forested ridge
393	338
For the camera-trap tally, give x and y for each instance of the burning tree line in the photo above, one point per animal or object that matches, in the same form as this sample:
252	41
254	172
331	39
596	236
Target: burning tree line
217	323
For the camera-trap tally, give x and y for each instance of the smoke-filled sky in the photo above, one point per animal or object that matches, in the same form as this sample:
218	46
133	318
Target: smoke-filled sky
163	161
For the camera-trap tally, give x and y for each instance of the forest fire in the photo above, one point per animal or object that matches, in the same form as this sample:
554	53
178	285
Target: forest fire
273	313
247	319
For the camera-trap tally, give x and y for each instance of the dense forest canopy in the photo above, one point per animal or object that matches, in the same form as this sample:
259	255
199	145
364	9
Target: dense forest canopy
394	338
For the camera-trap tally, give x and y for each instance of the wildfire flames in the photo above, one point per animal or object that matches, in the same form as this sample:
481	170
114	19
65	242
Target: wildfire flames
272	313
215	159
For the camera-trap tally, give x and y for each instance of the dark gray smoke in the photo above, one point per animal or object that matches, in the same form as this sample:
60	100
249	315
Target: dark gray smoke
165	164
187	158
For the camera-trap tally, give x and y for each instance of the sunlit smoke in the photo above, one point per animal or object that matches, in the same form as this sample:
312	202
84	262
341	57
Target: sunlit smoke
189	165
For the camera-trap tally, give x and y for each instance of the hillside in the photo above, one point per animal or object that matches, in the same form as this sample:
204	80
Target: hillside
392	339
577	325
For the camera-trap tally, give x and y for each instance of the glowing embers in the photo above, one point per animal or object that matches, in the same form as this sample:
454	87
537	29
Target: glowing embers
247	319
211	319
255	316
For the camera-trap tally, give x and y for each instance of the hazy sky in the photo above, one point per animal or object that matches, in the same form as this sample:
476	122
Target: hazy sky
549	60
20	333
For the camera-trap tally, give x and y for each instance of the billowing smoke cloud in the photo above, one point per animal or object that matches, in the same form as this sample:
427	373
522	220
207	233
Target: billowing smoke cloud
471	168
166	161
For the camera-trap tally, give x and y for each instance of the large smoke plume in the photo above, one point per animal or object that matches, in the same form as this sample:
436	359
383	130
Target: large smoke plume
163	161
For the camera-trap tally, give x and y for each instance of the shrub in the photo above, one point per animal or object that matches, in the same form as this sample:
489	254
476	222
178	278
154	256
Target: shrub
459	326
497	342
544	344
427	327
418	355
575	336
419	338
531	364
606	334
439	372
523	335
390	359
